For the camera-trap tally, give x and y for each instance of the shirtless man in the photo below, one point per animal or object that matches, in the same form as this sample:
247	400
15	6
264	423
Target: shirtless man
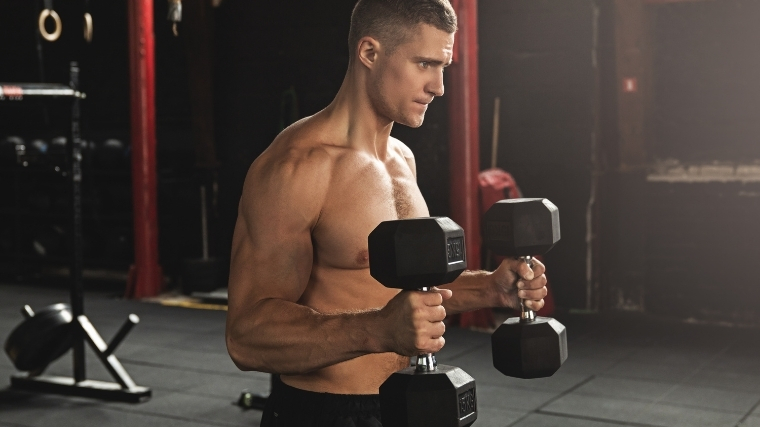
302	303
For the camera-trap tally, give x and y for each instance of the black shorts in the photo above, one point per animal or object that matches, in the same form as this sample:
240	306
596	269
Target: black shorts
291	407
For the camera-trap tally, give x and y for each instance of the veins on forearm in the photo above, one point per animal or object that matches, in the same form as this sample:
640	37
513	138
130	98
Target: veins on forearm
472	290
288	338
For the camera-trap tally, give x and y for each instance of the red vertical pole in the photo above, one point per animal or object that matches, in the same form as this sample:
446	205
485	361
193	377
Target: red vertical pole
145	275
464	130
464	143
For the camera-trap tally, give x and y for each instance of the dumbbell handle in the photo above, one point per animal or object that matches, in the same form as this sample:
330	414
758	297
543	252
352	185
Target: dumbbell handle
527	315
426	362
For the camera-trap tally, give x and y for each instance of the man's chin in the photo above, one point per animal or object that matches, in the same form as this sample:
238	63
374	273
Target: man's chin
412	122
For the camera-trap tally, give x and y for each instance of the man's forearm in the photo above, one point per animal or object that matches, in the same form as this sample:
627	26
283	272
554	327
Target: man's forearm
471	291
288	338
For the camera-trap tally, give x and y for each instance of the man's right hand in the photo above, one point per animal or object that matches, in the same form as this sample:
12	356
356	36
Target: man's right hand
413	322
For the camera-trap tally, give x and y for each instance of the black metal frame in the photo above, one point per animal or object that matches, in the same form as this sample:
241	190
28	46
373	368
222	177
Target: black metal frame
124	389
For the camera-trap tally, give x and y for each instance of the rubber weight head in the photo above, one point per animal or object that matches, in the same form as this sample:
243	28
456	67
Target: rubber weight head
418	252
529	350
521	227
41	339
442	398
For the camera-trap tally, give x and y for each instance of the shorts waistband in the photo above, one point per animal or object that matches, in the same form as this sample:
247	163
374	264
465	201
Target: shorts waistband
290	392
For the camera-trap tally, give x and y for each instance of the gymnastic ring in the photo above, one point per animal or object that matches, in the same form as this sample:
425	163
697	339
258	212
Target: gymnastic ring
51	37
87	27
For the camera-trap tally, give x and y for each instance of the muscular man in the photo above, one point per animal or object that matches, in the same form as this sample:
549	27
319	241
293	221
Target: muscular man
302	303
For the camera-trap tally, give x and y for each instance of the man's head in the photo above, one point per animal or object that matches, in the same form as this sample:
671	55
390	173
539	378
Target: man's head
404	45
392	22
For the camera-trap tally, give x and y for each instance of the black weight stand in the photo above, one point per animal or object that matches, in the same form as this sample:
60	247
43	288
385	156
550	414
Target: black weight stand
124	389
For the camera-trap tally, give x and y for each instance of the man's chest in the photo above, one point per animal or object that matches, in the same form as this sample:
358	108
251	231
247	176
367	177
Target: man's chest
355	206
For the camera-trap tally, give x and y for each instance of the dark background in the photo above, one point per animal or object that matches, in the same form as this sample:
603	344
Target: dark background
699	241
680	248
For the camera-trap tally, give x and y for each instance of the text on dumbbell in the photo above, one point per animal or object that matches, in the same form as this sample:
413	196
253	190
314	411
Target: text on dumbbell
466	403
455	249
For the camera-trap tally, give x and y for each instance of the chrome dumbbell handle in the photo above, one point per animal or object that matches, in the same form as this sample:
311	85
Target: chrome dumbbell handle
527	315
426	362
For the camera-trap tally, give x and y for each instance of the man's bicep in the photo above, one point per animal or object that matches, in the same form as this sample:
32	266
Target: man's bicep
271	258
272	253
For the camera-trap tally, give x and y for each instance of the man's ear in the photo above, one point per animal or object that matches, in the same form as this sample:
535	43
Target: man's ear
368	51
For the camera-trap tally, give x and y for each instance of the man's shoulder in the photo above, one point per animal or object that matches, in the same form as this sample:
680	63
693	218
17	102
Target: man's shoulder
288	178
294	152
403	151
401	148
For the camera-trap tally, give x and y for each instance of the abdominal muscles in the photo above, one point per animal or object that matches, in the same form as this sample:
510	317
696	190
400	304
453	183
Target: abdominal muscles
336	290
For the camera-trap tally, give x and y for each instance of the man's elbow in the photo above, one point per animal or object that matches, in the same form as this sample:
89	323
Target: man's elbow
244	357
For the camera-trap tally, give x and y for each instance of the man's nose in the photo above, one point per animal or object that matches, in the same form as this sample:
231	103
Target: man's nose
436	86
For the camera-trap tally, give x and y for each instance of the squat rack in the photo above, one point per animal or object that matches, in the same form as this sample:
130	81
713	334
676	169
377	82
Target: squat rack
124	389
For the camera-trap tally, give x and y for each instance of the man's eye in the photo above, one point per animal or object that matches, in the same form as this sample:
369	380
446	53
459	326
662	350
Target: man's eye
424	64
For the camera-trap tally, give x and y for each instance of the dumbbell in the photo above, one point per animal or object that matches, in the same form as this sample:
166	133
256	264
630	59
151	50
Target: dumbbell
417	254
528	346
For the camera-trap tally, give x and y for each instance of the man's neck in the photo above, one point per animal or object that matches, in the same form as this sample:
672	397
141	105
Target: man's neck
356	121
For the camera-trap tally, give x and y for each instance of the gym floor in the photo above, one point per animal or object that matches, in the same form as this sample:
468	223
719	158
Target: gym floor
625	369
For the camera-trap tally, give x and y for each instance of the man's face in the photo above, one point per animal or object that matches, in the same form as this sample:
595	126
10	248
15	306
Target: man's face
412	75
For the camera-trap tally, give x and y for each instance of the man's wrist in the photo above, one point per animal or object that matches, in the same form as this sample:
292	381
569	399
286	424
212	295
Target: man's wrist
495	292
490	289
374	332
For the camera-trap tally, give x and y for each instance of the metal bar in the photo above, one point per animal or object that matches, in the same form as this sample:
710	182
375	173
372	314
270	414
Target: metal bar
17	222
27	312
132	320
89	388
77	287
19	91
147	281
111	363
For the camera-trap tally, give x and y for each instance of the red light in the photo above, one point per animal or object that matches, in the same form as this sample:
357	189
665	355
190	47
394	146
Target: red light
630	85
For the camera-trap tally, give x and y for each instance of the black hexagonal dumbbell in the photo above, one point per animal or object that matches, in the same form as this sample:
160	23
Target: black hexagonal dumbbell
415	255
525	346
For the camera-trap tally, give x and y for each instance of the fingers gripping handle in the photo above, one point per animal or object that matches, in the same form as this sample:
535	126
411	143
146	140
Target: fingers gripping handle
426	362
527	315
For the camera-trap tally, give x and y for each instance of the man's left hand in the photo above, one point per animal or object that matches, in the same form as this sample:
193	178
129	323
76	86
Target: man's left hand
515	280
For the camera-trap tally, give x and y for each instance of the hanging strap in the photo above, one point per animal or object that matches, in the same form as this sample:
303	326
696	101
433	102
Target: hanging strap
87	22
175	14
